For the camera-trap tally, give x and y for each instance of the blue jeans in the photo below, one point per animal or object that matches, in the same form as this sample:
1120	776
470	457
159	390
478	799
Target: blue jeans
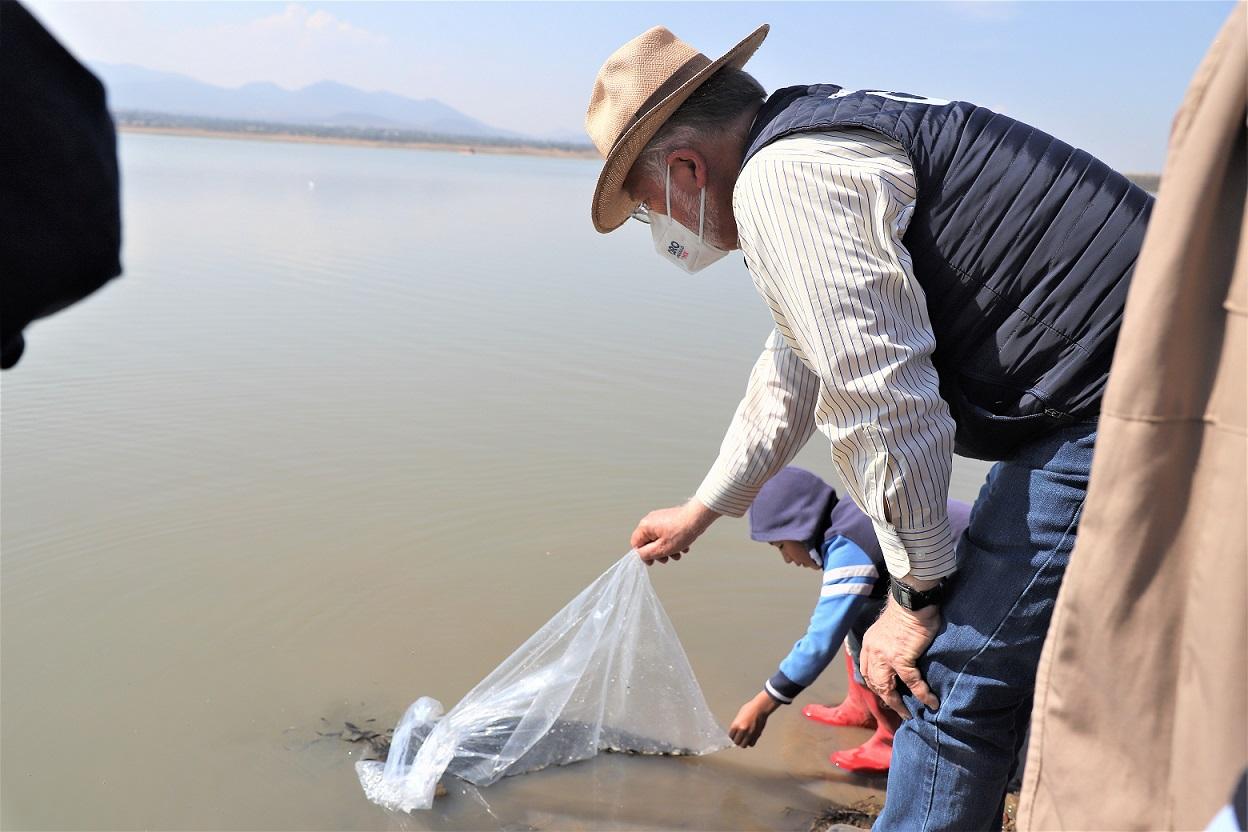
950	766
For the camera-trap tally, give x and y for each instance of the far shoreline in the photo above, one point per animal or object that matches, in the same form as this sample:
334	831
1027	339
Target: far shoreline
1149	181
465	148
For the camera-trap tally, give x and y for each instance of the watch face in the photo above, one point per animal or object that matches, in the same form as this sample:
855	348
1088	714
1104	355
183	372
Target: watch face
914	600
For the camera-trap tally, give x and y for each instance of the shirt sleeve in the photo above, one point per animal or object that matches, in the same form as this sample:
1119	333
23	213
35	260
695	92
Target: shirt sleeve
772	423
848	579
821	221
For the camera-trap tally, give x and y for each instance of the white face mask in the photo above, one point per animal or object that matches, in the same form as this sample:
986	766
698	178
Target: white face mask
677	244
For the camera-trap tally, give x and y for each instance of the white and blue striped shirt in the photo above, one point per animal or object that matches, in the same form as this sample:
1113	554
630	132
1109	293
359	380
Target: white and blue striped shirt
849	578
820	217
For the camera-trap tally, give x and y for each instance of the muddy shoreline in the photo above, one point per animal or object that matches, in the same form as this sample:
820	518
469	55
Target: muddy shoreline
859	815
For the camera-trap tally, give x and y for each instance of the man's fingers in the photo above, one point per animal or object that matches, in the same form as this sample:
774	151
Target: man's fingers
877	673
912	679
893	699
640	537
657	551
882	680
651	551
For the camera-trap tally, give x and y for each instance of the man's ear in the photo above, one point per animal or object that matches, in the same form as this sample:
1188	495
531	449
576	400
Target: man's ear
688	167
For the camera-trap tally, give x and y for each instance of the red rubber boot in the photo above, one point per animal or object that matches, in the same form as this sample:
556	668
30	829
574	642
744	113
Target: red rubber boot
874	755
854	712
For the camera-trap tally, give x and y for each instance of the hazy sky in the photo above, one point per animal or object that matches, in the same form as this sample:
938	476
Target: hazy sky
1105	76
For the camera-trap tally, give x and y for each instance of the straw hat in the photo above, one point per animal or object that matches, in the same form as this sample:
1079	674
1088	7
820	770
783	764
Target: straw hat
637	89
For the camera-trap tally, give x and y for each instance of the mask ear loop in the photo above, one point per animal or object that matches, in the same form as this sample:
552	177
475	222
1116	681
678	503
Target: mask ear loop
702	215
667	191
667	196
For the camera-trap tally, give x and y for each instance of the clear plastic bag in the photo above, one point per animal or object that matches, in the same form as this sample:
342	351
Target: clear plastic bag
607	672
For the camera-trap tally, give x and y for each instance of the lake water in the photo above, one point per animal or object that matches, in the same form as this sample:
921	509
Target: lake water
354	423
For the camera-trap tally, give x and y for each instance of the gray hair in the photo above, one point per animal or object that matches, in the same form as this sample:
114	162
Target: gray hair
720	99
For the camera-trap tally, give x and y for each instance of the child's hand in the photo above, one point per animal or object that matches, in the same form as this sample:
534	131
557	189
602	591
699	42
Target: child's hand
751	720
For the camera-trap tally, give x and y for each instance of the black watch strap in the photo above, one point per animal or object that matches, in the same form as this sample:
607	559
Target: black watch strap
914	599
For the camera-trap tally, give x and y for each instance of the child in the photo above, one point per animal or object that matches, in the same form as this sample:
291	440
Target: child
800	515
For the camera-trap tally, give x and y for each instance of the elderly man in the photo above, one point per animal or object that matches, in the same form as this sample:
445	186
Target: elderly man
943	278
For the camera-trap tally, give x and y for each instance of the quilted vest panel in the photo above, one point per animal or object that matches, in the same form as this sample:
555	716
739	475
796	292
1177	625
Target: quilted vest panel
1023	245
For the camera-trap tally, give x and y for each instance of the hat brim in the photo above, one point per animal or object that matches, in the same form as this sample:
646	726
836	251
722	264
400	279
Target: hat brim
611	206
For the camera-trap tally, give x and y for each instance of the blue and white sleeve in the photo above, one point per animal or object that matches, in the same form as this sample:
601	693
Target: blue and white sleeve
849	577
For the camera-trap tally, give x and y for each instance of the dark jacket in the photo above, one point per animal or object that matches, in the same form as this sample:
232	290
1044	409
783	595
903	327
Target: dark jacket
60	211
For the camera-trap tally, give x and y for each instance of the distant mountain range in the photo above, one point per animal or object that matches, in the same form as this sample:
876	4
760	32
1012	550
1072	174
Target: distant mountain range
325	104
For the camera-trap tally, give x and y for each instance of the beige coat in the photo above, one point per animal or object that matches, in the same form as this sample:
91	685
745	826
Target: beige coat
1142	693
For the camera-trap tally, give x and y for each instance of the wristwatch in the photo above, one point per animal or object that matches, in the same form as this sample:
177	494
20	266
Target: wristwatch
914	599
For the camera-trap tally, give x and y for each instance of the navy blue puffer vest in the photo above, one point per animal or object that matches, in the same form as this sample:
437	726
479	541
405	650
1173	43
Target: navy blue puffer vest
1023	245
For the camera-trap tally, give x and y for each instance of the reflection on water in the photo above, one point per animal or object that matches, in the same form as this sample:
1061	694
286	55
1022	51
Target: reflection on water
325	449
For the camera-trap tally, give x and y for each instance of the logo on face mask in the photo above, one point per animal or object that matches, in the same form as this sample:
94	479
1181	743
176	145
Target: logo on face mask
687	250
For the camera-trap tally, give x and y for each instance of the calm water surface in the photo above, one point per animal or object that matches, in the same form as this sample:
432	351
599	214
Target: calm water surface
354	424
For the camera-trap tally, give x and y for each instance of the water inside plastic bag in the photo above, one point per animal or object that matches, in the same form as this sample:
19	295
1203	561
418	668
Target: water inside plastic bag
607	672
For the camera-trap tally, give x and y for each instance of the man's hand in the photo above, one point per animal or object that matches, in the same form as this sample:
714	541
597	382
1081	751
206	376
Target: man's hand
752	719
891	650
667	532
